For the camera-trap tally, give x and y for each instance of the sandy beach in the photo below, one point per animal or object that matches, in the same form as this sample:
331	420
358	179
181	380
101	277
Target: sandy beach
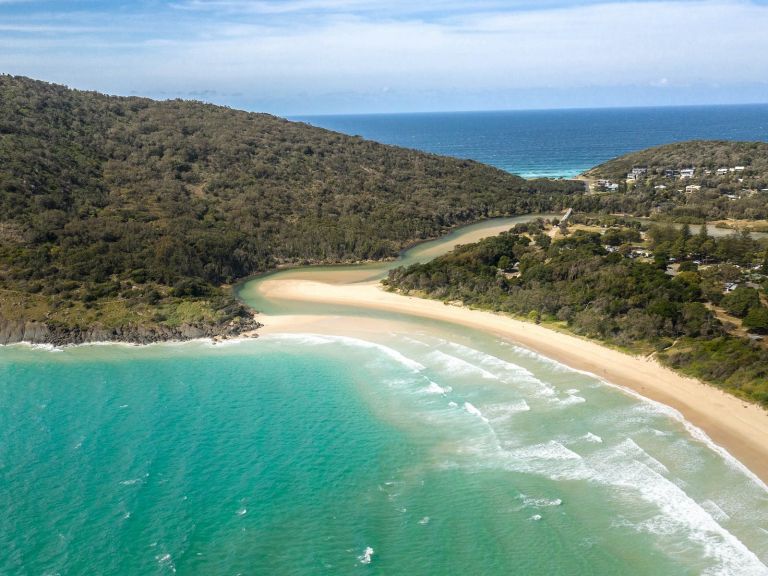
739	427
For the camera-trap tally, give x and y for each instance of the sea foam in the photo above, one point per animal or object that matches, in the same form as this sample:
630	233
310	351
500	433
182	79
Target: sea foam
435	388
678	514
503	369
531	502
455	365
471	409
655	407
594	438
504	411
366	556
322	339
697	433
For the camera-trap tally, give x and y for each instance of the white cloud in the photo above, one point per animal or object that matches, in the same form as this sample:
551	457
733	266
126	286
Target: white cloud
605	44
345	57
45	29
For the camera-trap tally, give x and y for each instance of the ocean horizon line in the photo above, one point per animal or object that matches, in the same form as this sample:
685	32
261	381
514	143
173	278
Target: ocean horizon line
299	116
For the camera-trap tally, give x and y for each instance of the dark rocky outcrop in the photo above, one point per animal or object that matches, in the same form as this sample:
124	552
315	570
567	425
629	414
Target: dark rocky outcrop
12	332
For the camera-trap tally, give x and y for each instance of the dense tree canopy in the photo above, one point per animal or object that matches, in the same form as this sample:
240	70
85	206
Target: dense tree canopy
729	180
632	303
105	198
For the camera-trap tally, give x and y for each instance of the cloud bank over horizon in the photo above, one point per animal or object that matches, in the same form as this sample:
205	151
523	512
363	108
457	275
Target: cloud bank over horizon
335	56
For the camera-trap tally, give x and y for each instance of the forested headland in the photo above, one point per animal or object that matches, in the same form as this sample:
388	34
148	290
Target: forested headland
691	182
127	218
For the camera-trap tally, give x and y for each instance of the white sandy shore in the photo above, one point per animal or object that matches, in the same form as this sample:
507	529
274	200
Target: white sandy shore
739	427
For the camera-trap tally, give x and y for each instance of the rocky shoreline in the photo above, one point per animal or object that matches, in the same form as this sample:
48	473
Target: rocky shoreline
17	331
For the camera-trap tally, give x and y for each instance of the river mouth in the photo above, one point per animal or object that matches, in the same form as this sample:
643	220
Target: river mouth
251	291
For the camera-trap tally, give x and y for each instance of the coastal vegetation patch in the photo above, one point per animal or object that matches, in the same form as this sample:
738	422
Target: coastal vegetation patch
131	214
693	182
696	302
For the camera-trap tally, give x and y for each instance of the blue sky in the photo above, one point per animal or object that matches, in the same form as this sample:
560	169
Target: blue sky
335	56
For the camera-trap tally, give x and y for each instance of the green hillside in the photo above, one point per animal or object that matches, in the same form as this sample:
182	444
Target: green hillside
687	181
701	154
123	212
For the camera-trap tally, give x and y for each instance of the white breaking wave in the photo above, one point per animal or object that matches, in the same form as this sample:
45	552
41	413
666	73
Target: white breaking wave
629	449
366	556
568	400
530	502
527	353
301	338
502	369
624	467
33	346
455	365
655	407
227	342
695	431
633	472
490	360
715	511
133	481
130	482
471	409
594	438
504	411
551	450
166	560
435	388
321	339
412	341
679	514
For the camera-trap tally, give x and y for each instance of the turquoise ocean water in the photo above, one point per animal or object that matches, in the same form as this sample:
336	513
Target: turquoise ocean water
438	453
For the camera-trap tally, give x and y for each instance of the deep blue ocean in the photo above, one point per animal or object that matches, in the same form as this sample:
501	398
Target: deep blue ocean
552	143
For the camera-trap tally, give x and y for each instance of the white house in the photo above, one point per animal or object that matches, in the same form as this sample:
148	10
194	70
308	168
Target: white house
637	173
687	172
